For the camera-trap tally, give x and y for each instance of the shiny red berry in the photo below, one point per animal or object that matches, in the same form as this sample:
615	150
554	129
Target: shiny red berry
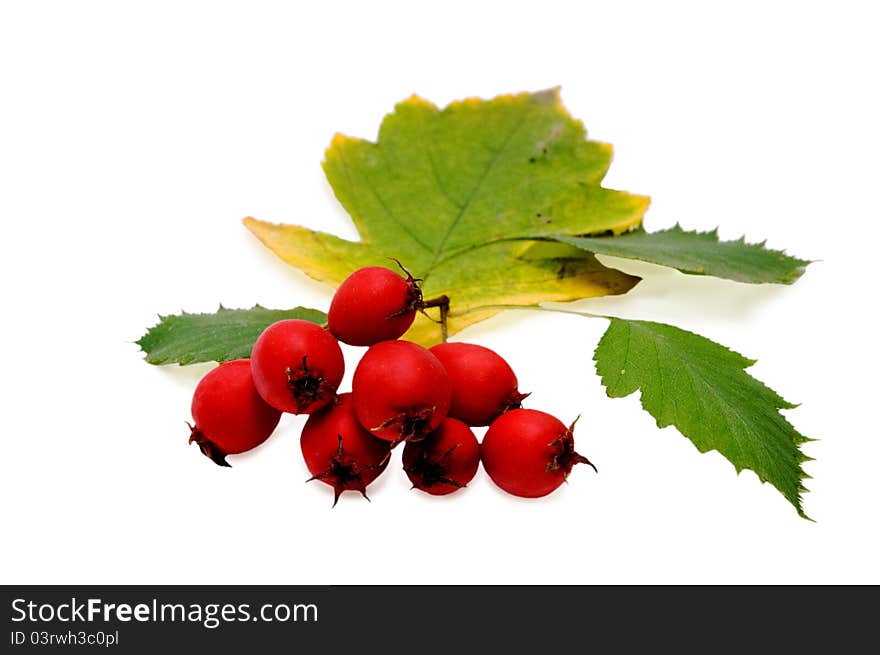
297	366
529	453
230	416
483	384
373	304
401	391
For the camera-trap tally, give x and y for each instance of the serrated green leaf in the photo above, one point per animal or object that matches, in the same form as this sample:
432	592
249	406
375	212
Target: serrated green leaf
444	190
219	337
697	253
702	389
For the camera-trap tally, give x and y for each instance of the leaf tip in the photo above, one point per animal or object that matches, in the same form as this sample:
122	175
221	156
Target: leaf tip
338	141
415	100
642	203
255	225
549	96
799	504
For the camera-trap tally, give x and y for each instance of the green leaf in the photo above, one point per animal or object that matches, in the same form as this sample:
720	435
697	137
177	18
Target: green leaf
225	335
449	190
702	389
697	253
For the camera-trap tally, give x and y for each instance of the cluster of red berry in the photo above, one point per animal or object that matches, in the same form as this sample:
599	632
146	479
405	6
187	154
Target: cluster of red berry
401	392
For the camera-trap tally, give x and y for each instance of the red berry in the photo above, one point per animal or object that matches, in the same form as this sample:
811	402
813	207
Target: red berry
339	452
297	366
529	453
230	417
445	461
401	391
373	304
483	384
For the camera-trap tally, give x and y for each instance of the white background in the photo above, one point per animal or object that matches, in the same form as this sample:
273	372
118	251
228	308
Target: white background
135	136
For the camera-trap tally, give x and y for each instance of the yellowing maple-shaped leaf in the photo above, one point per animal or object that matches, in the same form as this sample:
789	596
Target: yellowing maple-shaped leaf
455	194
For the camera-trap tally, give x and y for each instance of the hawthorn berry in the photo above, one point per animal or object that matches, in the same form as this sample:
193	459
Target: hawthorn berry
373	304
297	366
483	384
445	461
339	452
230	416
529	453
401	391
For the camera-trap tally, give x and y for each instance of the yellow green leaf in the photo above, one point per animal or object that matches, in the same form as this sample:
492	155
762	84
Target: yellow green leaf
456	193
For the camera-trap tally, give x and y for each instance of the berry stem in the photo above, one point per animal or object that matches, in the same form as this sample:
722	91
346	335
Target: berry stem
443	303
421	305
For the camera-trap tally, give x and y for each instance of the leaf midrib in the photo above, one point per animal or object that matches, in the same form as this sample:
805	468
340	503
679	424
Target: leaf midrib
476	189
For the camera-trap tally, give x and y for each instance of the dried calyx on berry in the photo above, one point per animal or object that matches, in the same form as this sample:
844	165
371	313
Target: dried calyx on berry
339	452
565	457
443	462
230	416
343	472
307	387
401	391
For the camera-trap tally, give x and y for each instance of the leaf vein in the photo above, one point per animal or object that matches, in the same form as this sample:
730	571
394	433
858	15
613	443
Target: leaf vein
477	186
438	180
412	235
